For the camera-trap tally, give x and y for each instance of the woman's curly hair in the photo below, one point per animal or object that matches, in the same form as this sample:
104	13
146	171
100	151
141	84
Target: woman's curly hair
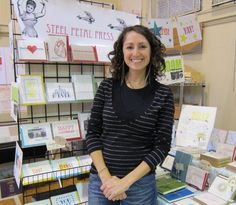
156	64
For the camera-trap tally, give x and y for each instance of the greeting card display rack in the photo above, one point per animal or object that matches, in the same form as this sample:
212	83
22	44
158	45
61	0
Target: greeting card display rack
52	72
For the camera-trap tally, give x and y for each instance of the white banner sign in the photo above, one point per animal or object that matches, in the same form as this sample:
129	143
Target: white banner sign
83	23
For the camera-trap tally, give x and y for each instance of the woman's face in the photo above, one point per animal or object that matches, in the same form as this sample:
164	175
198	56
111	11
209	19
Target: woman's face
137	51
29	8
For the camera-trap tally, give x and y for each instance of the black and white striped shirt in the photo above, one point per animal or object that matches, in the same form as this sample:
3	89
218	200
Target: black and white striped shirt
126	144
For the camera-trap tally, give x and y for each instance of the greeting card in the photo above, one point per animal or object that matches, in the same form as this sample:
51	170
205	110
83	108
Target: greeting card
195	126
83	119
84	87
188	29
41	202
181	163
197	177
83	53
31	90
57	48
33	135
85	162
82	189
68	129
174	72
36	172
65	167
60	92
31	50
70	198
217	136
163	29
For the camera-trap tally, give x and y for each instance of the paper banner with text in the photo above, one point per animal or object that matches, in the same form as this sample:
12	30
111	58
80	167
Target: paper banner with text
163	29
83	23
188	29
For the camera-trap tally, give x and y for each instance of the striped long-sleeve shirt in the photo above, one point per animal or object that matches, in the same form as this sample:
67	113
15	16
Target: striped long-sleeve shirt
126	144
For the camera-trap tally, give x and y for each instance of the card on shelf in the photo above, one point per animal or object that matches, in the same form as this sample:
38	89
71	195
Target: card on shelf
71	198
181	163
187	201
41	202
227	150
177	195
221	191
59	92
231	137
33	135
65	167
197	177
36	172
215	159
31	50
222	187
85	162
83	118
84	87
168	162
31	90
57	48
195	126
166	185
82	189
83	53
217	136
68	129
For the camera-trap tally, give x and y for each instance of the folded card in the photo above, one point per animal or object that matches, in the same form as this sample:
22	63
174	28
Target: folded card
31	50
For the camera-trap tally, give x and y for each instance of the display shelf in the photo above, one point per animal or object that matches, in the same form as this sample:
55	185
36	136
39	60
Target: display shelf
50	112
180	91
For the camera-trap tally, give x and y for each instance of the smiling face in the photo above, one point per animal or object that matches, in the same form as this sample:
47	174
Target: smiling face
137	51
29	8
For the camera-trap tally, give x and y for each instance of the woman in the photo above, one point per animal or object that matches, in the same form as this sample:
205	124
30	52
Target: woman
129	132
29	17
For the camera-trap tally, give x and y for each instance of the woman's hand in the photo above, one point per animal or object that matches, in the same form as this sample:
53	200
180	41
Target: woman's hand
114	188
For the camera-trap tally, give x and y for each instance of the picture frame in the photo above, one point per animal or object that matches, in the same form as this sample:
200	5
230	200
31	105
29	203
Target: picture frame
33	135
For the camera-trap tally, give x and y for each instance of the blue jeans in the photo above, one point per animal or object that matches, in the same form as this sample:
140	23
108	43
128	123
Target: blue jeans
142	192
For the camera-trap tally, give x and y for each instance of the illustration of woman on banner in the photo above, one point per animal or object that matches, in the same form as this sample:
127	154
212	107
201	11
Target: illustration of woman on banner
29	16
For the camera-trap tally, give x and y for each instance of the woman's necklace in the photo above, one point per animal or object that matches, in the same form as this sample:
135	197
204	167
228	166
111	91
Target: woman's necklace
138	86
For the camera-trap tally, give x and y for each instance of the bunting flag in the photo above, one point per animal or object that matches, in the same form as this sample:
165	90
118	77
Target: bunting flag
163	29
188	29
